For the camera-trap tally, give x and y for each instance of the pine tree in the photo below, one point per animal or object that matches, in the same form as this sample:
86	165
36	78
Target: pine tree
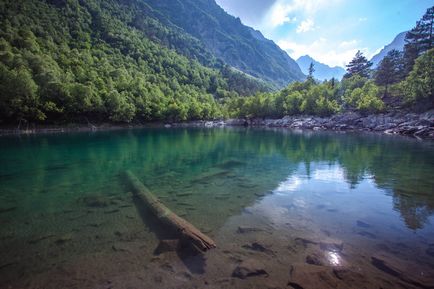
332	82
427	41
385	73
390	70
311	70
359	66
419	39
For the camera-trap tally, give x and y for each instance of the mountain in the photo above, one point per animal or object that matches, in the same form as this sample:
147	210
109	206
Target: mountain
115	60
322	71
397	43
228	39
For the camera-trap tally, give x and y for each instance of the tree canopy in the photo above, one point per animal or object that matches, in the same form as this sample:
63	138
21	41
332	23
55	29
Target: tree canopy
359	65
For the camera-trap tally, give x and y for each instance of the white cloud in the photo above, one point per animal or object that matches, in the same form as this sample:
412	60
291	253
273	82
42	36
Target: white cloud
349	43
323	50
305	26
283	11
363	19
279	15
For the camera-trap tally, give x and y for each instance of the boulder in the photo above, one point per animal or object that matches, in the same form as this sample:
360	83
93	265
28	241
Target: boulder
96	201
430	250
249	268
405	270
255	246
353	278
311	277
244	230
314	259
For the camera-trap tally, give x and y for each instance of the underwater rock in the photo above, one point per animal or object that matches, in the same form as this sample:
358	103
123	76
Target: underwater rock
208	176
184	194
314	259
243	230
167	246
255	246
405	270
2	266
111	211
249	186
362	224
5	210
184	276
94	225
430	250
117	247
96	201
305	241
353	278
167	267
249	268
387	248
367	234
63	239
303	276
230	164
40	238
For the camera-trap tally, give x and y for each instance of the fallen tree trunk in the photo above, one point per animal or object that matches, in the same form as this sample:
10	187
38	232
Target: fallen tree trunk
184	228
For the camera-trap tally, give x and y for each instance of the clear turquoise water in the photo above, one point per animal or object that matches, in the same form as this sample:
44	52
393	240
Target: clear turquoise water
63	197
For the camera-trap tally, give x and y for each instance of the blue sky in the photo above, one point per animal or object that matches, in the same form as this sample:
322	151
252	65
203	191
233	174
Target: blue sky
331	31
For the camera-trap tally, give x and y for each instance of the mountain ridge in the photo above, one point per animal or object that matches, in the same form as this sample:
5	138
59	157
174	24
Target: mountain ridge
228	39
397	43
322	71
111	60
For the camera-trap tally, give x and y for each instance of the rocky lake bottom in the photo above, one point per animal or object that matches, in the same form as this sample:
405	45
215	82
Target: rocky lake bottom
286	210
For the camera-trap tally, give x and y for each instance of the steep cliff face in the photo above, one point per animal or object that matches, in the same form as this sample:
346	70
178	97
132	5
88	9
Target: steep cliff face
228	39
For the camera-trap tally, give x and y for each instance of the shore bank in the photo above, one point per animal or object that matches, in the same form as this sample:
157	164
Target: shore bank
397	123
408	124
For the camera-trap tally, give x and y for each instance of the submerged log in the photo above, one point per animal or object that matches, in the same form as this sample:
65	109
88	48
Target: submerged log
178	224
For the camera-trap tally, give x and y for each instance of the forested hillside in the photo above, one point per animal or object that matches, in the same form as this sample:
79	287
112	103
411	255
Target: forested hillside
65	61
238	45
71	60
402	81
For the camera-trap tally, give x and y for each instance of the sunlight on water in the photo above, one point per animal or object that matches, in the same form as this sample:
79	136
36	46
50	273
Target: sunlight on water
66	209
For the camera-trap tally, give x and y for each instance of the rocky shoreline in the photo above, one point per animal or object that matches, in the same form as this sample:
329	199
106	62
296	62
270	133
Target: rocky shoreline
397	123
420	126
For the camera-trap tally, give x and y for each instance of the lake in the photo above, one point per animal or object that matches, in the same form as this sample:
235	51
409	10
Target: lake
287	209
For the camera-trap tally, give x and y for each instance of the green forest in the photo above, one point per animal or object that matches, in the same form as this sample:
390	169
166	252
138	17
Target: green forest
361	90
403	80
65	61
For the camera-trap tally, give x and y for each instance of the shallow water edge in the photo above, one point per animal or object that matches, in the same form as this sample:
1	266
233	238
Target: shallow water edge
420	126
286	209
